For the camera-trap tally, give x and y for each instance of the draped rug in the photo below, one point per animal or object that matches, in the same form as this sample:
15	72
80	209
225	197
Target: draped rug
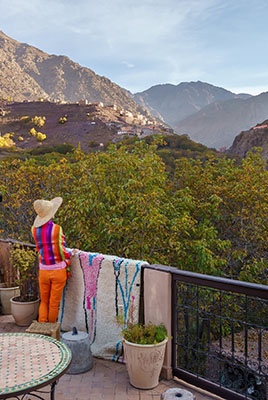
100	288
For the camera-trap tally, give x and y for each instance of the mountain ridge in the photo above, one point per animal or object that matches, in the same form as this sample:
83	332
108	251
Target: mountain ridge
28	73
173	103
217	124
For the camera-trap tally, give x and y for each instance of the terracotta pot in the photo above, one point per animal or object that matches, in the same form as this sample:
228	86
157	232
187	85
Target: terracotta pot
24	312
5	295
144	363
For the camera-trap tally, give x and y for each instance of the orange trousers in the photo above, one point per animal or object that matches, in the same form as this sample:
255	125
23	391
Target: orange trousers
51	284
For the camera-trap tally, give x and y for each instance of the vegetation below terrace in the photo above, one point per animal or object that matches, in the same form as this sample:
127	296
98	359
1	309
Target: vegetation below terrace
170	149
209	215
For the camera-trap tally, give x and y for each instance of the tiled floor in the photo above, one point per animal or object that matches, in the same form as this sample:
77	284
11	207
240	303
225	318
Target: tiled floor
107	380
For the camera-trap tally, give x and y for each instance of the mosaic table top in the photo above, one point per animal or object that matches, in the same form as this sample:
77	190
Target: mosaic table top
29	361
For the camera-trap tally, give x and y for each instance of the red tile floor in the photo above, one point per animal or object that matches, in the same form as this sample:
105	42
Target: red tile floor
107	380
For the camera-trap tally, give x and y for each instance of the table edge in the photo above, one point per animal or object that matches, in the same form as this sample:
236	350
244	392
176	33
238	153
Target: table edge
40	385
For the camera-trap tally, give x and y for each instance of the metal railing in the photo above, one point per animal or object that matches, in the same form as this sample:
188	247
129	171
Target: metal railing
220	334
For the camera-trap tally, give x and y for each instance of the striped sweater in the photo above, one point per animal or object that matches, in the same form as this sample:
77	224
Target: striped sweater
50	244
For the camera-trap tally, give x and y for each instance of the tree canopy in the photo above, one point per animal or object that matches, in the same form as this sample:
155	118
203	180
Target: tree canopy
209	216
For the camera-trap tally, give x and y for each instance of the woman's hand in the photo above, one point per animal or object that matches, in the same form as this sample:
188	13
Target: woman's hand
75	251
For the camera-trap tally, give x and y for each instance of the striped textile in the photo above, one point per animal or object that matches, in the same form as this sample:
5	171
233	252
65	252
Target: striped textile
50	244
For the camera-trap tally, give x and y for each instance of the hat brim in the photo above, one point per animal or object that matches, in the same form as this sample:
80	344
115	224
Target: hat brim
57	201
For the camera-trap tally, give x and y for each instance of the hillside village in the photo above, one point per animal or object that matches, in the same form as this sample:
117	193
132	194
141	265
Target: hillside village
127	123
29	124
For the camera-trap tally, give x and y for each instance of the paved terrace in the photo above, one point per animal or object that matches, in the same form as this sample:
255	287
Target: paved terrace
107	380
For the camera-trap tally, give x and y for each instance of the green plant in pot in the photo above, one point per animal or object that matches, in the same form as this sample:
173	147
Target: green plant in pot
144	351
24	308
144	334
9	287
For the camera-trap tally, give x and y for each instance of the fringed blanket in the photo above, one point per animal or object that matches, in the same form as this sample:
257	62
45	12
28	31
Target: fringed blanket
101	288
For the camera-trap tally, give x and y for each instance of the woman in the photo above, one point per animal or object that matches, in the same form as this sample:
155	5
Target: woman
54	258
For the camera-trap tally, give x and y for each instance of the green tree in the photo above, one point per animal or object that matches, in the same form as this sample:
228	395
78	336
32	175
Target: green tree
209	216
241	192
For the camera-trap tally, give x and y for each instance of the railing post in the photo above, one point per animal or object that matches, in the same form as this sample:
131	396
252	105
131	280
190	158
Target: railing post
219	329
174	317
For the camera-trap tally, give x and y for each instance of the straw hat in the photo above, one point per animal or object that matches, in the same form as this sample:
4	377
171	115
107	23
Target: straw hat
45	210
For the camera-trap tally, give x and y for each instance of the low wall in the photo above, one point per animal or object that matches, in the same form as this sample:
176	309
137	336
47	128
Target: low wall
103	286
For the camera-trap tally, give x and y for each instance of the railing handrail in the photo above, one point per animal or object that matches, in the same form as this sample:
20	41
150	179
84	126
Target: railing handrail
13	241
247	288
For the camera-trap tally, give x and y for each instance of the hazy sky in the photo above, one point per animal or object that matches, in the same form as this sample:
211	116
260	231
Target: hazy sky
141	43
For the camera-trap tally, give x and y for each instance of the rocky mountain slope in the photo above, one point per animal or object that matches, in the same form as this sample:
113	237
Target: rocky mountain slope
174	103
29	73
257	136
217	124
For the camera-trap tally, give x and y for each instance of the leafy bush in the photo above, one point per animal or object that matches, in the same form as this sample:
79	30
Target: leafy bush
145	334
23	260
140	333
33	132
209	216
39	121
57	148
41	136
63	120
239	214
6	141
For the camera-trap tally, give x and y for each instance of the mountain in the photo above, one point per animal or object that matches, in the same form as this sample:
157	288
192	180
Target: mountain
173	103
208	114
257	136
27	73
217	124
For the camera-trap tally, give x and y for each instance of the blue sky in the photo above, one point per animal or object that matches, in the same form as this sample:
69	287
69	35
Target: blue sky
141	43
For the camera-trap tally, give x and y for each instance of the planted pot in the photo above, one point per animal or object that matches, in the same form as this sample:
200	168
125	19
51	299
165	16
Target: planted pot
24	312
144	363
5	295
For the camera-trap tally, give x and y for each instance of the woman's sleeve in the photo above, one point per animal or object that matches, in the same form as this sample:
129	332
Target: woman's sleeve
65	253
33	230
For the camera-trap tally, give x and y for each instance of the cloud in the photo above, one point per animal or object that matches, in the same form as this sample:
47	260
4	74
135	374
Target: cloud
119	25
138	43
129	65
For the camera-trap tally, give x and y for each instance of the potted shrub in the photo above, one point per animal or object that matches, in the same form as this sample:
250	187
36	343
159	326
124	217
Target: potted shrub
144	351
9	287
24	307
